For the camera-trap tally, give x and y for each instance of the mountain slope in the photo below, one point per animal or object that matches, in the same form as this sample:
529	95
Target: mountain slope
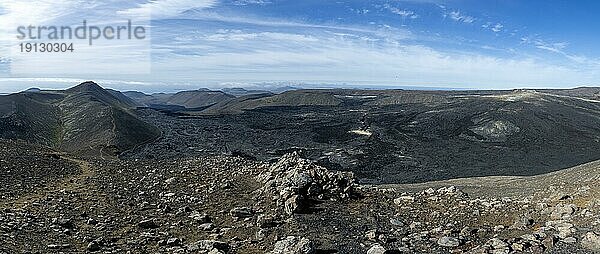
297	98
85	119
198	99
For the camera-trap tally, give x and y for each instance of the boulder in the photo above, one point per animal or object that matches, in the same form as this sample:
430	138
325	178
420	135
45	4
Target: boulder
447	241
376	249
591	241
241	212
210	246
294	245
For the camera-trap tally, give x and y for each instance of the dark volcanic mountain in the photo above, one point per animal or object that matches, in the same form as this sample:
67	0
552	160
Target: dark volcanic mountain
297	98
198	99
185	100
84	119
238	92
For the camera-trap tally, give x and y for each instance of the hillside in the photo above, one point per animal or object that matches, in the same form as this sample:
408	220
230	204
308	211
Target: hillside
238	92
296	98
185	100
198	99
85	119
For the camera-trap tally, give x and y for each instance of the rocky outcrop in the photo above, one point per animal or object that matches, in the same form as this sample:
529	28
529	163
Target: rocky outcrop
293	182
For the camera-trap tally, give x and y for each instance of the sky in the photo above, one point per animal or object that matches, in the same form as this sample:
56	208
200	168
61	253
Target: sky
467	44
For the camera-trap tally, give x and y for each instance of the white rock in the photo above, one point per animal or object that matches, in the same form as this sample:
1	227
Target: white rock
591	241
376	249
447	241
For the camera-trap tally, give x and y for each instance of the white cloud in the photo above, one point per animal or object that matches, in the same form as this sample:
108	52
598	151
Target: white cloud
402	12
458	17
238	35
250	2
167	8
327	59
497	28
556	47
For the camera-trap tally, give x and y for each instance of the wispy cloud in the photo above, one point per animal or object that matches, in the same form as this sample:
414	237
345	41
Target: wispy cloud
497	28
250	2
349	58
167	8
459	17
401	12
556	47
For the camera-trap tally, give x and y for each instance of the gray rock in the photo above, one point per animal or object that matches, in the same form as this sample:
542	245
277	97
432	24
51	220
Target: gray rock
570	240
173	242
148	224
396	222
93	246
293	205
208	246
522	223
591	241
65	223
200	218
241	212
294	245
549	242
371	234
266	221
497	244
564	229
562	211
447	241
207	226
376	249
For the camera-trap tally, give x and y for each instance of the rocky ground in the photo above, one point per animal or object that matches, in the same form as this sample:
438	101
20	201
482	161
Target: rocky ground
222	204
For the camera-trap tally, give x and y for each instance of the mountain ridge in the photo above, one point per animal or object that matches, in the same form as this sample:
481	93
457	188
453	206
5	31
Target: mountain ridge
86	119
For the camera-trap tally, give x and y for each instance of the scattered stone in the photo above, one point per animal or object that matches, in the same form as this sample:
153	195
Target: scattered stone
447	241
498	245
148	224
376	249
522	223
293	205
591	241
93	246
549	242
200	218
241	212
173	242
396	222
266	221
294	245
207	226
570	240
404	199
208	246
564	228
65	223
562	211
371	235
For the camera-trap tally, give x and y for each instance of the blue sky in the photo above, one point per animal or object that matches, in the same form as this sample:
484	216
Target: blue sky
384	43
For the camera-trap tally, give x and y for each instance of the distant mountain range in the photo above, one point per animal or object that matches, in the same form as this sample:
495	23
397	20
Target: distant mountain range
85	119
